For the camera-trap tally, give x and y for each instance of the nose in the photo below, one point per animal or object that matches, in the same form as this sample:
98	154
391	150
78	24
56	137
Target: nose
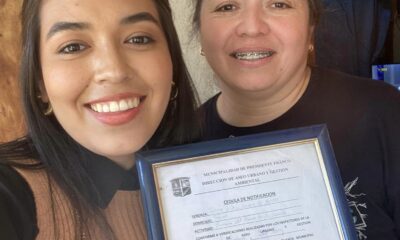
110	66
253	22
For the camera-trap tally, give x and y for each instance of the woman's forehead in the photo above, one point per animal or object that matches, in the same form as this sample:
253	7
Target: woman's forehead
85	10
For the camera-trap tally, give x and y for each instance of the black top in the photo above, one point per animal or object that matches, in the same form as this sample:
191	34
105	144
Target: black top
363	119
17	206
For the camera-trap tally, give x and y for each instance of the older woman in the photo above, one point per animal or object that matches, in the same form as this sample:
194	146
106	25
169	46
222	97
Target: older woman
260	50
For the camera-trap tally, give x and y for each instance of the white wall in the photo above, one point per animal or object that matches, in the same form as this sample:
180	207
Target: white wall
197	65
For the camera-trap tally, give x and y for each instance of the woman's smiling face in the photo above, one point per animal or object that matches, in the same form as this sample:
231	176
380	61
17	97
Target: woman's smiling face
107	72
256	45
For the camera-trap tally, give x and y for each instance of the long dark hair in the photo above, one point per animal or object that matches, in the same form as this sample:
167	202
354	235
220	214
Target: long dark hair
56	151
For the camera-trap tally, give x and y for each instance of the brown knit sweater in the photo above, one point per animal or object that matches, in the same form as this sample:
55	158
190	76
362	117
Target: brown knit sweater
124	213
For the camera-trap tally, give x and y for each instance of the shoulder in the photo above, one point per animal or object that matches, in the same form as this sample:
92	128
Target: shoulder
331	76
17	205
358	90
208	111
11	179
209	104
211	123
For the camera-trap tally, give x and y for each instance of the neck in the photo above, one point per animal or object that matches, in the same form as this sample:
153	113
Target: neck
126	162
246	109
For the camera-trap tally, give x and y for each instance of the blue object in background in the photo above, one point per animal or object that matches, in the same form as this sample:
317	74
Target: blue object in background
389	73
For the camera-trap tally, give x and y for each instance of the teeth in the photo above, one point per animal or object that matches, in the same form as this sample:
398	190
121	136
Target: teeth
115	106
252	55
123	105
106	108
99	107
132	103
94	107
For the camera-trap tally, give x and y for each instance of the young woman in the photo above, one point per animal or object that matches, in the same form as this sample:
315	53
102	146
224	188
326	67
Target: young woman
101	80
260	50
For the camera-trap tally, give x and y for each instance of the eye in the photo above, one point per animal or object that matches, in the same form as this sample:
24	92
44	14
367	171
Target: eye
140	40
226	8
72	48
281	5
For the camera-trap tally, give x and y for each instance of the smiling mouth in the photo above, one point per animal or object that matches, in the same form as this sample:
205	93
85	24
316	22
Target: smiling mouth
253	55
116	106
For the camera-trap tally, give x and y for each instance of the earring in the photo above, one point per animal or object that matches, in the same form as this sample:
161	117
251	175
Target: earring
202	52
174	89
49	110
311	48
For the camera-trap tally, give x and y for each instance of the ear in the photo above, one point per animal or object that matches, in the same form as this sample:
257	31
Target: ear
43	93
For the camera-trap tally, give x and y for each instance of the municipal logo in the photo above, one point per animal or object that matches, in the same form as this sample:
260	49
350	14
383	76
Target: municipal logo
181	186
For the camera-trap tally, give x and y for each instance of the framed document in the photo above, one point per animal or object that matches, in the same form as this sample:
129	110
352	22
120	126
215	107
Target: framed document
282	185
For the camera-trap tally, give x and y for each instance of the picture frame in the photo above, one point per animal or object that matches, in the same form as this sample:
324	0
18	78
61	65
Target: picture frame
276	185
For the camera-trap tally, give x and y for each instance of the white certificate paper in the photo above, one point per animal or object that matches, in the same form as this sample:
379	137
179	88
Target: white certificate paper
278	192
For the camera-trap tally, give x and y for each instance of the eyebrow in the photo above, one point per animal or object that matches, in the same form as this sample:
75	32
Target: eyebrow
142	16
65	26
